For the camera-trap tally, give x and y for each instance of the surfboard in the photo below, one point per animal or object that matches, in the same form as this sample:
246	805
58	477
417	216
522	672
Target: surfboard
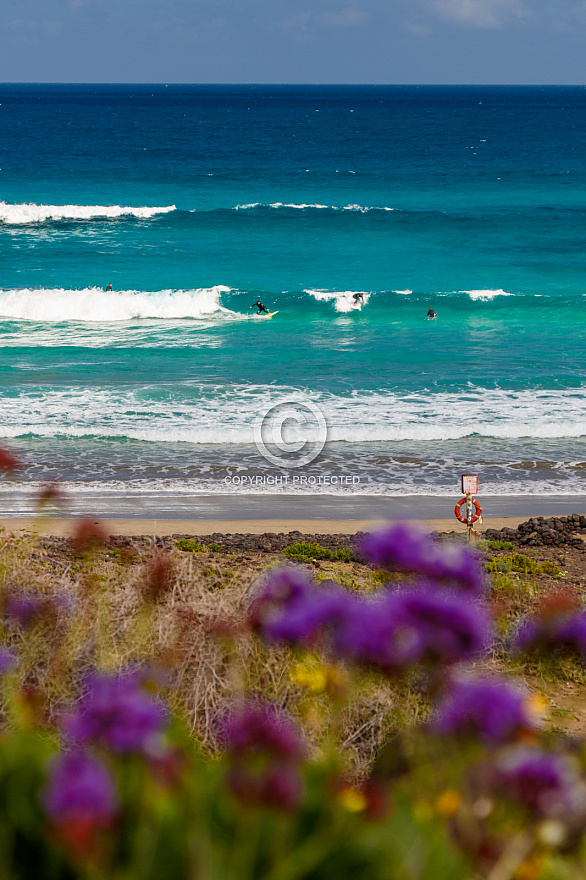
268	315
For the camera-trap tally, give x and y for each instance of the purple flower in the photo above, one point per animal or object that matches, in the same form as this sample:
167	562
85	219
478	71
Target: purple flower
7	659
258	727
545	783
561	631
422	625
266	752
24	609
492	710
79	788
391	631
294	610
116	713
572	632
374	636
404	547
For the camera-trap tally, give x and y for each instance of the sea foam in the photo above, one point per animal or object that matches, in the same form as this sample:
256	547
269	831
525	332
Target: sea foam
94	305
343	300
221	416
486	294
32	213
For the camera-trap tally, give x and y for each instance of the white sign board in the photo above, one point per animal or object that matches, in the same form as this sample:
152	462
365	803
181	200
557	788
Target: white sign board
469	484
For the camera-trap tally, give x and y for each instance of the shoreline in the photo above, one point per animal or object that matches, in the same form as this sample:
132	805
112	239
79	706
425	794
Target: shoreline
286	508
64	527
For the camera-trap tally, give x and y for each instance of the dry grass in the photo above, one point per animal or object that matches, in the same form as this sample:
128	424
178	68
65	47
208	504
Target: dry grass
181	615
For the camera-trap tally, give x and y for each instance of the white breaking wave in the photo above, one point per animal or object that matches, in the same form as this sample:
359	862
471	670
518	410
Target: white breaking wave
32	213
196	414
277	205
343	300
96	305
360	208
486	294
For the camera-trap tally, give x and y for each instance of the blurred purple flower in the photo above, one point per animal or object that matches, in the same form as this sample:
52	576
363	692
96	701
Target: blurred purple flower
23	609
258	727
555	632
572	632
545	783
391	631
422	625
492	710
404	547
116	713
292	609
285	588
79	788
372	635
308	616
7	659
266	751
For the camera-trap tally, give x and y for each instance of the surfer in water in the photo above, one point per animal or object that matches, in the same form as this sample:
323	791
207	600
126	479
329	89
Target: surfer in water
358	298
431	314
260	307
109	287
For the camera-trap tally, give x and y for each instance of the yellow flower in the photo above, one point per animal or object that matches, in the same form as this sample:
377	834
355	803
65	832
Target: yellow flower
318	677
352	800
536	706
448	803
313	679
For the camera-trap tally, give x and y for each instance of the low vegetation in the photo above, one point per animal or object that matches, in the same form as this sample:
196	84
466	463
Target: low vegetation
167	712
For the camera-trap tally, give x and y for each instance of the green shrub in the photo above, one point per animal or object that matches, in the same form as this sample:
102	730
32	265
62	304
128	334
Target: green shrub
188	545
214	546
310	552
499	545
344	554
518	562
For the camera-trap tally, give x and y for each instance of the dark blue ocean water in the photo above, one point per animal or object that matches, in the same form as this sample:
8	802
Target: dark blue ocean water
195	201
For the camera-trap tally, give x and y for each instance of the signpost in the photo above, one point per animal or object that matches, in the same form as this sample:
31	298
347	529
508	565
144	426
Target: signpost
473	509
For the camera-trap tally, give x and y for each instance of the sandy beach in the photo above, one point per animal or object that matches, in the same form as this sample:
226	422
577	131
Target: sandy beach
165	527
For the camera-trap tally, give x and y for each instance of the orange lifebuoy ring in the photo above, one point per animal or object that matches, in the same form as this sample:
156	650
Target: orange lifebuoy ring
463	519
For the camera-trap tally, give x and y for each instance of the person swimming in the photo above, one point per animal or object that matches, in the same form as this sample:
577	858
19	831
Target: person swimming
260	307
431	313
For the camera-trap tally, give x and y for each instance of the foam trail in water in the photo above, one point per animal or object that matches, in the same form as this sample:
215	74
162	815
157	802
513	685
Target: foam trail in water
32	213
96	305
343	300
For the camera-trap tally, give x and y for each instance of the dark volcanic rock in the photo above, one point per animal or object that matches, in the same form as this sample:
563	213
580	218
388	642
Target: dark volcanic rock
539	531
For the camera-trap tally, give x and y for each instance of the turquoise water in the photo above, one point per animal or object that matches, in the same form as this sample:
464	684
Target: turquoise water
194	202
